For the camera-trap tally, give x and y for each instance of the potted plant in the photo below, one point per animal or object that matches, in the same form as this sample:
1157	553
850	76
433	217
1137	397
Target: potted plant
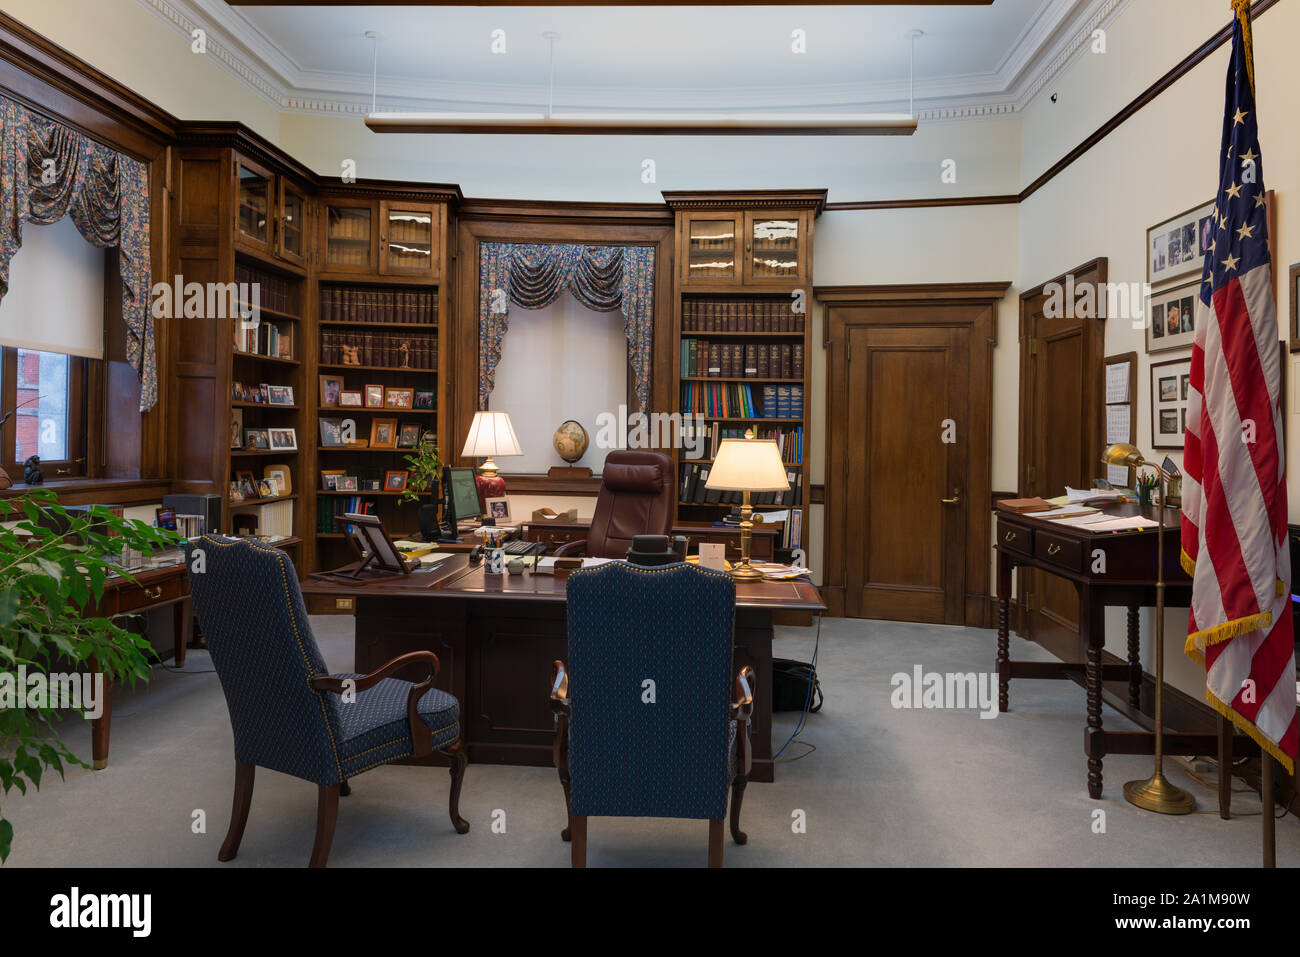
426	470
48	578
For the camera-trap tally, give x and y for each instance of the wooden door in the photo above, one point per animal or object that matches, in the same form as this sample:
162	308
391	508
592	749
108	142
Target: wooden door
292	239
254	206
709	248
349	237
1061	432
908	451
906	487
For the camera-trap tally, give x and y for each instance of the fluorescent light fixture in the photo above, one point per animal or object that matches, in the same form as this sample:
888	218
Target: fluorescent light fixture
650	124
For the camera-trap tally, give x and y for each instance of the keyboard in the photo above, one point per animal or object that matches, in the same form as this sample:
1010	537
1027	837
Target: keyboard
518	546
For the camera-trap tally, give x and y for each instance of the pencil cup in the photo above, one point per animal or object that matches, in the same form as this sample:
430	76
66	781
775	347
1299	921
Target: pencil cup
495	561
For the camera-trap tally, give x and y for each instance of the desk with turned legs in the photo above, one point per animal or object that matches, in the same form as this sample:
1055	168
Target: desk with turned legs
1106	569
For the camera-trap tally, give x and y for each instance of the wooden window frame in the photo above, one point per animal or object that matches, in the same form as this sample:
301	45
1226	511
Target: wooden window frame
85	416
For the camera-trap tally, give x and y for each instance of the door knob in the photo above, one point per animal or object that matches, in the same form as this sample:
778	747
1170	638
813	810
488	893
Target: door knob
955	500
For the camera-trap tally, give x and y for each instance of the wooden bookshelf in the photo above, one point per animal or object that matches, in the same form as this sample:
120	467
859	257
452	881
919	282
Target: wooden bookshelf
741	297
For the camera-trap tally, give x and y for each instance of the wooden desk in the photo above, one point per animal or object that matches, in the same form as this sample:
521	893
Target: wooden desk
1106	568
762	545
496	636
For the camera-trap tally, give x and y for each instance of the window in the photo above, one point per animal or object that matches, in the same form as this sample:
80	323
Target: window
46	392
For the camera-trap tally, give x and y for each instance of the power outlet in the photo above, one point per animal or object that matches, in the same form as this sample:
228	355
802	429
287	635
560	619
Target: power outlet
342	604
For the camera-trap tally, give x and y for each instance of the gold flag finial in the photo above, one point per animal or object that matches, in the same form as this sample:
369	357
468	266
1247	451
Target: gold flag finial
1241	8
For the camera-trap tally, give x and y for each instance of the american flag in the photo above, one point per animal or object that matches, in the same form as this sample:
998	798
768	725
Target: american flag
1234	533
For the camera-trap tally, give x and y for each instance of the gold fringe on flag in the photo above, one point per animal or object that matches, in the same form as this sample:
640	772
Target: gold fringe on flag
1198	641
1243	724
1241	8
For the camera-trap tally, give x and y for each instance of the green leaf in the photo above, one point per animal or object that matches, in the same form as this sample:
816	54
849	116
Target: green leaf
6	839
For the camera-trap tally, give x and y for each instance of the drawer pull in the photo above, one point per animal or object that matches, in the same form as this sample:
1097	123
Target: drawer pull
153	594
1009	537
1053	548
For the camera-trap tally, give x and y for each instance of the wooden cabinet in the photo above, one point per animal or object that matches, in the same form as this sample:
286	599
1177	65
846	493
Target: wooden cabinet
709	248
775	247
408	239
349	237
254	199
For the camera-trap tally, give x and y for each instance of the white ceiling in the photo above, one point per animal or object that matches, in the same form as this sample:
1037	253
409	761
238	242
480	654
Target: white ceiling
971	61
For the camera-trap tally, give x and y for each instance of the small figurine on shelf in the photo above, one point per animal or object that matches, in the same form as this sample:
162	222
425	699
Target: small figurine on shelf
32	473
406	353
352	355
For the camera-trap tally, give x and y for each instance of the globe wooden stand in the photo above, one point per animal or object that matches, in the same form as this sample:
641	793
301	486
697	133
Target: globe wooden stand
568	472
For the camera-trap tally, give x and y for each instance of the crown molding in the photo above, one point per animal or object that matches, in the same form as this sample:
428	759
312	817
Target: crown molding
1056	34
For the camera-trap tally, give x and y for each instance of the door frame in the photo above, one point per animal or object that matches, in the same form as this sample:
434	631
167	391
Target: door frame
974	306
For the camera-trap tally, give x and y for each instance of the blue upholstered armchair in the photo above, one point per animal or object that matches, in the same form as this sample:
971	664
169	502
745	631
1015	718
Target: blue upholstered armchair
287	712
646	722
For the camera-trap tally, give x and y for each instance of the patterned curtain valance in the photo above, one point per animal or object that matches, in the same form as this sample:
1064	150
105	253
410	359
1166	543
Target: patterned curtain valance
48	171
533	275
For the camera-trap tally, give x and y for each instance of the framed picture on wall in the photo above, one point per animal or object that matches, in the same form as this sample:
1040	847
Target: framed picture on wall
1170	314
1293	284
1169	392
1177	246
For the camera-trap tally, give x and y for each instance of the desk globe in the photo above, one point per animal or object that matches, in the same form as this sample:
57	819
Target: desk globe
571	441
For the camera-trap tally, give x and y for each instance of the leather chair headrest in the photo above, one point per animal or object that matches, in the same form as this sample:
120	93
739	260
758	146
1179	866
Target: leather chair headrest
622	477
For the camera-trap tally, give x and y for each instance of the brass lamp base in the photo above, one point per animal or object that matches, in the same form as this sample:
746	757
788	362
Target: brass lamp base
489	469
1157	794
745	572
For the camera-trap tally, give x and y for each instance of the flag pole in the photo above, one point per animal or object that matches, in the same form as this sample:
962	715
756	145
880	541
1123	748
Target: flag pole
1266	795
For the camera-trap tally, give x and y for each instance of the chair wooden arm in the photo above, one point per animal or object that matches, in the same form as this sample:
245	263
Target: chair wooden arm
559	689
743	705
571	548
421	735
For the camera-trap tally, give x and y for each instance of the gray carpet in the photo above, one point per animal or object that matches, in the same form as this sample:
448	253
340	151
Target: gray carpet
884	787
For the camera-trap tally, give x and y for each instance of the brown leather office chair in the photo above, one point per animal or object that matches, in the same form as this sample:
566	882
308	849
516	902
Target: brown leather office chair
636	498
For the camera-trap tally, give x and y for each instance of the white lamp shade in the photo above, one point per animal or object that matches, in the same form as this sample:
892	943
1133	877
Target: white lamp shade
752	465
491	434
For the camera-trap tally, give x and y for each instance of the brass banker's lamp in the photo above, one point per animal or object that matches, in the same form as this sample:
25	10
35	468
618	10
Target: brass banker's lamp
1155	793
747	465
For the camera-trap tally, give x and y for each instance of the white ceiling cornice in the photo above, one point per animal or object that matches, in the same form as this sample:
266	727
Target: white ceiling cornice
1060	30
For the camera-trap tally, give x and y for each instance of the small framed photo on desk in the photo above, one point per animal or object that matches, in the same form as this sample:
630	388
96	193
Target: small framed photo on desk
498	509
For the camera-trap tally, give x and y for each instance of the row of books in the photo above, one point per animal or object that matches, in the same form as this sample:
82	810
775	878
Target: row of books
398	350
741	315
737	400
742	360
352	304
788	440
274	339
792	534
693	489
273	518
272	290
330	506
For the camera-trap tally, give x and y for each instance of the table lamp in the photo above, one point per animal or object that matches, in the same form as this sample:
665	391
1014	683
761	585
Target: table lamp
1155	793
491	434
747	465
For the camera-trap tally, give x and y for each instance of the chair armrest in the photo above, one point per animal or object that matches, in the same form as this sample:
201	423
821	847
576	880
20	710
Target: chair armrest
571	548
421	734
559	689
743	705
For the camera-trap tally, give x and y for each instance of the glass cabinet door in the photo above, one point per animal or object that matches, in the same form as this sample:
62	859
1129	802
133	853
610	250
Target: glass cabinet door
293	224
349	238
711	248
773	248
407	241
253	219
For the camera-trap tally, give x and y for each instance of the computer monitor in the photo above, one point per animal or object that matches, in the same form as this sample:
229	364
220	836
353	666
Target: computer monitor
460	494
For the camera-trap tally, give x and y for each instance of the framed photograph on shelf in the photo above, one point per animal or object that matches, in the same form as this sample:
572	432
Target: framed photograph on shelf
398	398
374	396
345	483
330	387
351	399
266	489
279	394
1177	246
236	428
1169	389
408	435
331	433
284	440
498	509
423	399
395	480
257	439
279	476
1170	316
329	479
383	434
247	483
